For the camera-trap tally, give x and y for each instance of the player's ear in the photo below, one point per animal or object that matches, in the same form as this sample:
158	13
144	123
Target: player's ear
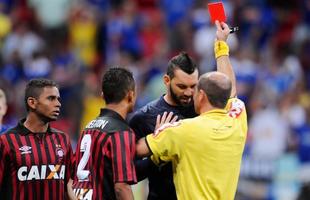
203	98
32	102
166	80
131	96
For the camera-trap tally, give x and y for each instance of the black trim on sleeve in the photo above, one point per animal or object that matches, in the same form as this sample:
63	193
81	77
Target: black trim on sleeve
148	146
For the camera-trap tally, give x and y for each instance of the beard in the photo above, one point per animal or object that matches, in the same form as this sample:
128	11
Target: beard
177	99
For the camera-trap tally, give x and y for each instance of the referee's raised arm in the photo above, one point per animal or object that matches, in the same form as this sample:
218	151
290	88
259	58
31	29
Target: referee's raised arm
221	51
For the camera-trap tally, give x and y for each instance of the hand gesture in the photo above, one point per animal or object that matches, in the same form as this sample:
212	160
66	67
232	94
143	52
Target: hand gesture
160	120
222	31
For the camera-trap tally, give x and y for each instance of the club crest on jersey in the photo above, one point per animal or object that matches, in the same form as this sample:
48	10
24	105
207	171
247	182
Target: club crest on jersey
25	149
59	151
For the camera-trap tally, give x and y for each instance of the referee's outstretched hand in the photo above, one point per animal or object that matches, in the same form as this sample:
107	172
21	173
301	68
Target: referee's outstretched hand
222	31
164	119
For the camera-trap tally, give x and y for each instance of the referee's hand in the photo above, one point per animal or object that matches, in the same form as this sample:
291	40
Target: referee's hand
163	119
222	31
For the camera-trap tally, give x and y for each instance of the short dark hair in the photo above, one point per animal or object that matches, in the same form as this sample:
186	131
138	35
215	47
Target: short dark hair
182	61
116	82
218	92
35	86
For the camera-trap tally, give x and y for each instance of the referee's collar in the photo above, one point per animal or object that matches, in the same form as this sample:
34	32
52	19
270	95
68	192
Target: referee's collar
105	112
25	131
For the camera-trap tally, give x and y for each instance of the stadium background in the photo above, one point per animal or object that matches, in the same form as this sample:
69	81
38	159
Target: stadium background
74	41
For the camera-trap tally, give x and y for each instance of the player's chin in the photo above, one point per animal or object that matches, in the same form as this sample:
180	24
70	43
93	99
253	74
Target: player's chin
186	102
53	117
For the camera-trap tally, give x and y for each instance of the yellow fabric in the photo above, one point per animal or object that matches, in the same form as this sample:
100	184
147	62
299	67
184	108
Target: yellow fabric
92	105
205	152
221	49
5	25
83	36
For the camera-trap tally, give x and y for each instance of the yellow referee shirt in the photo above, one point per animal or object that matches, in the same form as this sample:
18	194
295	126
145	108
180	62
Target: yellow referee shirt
205	152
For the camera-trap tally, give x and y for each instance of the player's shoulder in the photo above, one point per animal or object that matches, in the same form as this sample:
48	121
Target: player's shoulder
57	131
235	102
152	107
150	110
235	107
12	130
235	99
186	124
6	135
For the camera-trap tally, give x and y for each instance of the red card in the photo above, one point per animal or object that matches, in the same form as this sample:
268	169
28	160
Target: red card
216	11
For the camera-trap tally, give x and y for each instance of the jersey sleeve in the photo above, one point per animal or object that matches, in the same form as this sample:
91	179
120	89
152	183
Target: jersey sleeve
236	109
164	142
123	153
137	123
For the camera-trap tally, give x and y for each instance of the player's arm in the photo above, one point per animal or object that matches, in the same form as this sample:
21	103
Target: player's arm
123	152
70	169
71	195
142	148
221	51
123	191
137	123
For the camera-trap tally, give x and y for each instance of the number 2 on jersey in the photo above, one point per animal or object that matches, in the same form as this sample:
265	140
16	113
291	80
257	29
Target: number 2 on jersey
85	147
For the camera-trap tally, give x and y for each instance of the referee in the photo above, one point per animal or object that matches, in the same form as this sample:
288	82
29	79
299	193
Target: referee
206	150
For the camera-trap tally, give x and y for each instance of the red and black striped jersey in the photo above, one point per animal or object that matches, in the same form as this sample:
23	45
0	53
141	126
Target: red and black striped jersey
34	165
104	156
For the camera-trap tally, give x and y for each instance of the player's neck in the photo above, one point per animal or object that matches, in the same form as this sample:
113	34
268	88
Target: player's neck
207	108
119	108
168	99
35	124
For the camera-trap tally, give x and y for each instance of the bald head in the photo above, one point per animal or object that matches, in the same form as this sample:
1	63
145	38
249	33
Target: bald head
217	87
